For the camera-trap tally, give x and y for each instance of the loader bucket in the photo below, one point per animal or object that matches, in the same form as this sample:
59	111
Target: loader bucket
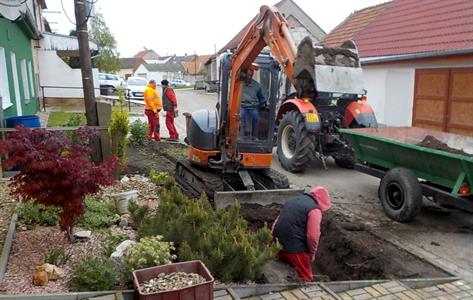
262	197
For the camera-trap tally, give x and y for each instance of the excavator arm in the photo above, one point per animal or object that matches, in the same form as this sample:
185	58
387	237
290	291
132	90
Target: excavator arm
269	29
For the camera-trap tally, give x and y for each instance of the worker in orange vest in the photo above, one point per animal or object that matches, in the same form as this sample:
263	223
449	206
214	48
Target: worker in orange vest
152	108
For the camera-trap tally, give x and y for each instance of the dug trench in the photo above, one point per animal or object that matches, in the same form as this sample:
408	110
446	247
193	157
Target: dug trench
346	251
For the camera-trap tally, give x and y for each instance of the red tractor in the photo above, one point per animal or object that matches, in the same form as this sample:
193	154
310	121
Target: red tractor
332	97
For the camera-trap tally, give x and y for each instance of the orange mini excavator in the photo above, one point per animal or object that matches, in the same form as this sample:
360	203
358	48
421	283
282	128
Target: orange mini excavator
226	163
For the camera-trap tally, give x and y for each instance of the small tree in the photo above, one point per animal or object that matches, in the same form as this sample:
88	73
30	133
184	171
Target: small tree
54	171
108	61
119	129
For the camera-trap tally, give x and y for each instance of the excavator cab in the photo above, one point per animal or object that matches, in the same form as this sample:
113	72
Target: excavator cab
268	77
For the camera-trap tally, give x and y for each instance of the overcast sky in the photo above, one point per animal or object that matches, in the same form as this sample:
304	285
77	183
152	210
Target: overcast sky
187	26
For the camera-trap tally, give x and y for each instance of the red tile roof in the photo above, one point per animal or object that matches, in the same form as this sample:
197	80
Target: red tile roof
193	67
355	22
413	26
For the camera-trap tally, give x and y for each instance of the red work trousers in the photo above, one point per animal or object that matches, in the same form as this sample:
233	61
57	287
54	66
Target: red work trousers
173	134
153	124
300	262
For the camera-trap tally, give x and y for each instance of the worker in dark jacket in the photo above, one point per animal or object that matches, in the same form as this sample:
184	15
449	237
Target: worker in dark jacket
251	102
297	229
170	107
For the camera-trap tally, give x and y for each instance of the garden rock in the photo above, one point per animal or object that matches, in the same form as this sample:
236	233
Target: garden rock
120	250
40	278
53	271
83	235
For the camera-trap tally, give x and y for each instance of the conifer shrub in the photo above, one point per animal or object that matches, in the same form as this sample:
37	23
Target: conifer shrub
138	130
149	252
119	129
94	274
219	238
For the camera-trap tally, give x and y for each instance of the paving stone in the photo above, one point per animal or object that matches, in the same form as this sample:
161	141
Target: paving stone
460	295
390	284
387	297
380	289
311	289
226	297
364	296
288	295
271	296
315	294
372	291
356	292
253	298
396	289
345	296
299	294
412	295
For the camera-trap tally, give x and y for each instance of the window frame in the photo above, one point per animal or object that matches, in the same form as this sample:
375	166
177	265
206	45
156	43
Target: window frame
4	83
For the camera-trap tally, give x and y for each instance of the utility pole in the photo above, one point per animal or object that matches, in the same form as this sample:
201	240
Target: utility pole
86	69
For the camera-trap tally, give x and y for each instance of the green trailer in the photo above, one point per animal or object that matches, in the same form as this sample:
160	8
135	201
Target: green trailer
409	171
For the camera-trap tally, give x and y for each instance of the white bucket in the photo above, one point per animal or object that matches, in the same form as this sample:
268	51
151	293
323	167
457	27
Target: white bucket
123	199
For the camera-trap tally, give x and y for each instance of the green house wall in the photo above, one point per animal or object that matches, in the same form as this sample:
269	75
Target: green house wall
13	39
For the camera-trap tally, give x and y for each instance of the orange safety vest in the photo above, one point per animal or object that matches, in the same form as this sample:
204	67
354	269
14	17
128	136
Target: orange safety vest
152	100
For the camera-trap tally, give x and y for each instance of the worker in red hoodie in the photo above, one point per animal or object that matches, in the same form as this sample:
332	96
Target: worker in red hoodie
297	229
170	106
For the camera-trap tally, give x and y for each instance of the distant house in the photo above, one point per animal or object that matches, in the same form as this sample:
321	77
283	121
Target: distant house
417	57
170	70
20	31
195	69
147	54
300	25
128	65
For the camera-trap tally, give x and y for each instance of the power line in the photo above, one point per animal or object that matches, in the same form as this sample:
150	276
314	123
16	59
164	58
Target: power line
86	18
15	5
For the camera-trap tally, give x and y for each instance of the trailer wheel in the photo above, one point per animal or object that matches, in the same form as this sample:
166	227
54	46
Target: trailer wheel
400	194
294	145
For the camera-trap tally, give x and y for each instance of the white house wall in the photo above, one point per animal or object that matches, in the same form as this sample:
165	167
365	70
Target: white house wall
391	89
54	72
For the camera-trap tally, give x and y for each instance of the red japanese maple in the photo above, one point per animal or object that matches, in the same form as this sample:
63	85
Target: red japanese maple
54	170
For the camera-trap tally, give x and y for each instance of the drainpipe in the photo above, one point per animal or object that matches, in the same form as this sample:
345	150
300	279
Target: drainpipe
1	111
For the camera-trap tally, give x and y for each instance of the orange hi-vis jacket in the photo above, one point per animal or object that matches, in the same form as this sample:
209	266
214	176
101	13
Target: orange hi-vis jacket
152	100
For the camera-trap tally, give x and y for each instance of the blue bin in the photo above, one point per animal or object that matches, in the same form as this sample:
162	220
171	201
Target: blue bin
31	121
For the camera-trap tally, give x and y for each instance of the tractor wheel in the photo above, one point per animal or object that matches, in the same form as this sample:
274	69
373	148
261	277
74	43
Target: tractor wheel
294	144
400	194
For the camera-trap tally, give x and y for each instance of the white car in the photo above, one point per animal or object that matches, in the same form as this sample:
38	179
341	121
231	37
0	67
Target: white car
109	83
135	87
179	83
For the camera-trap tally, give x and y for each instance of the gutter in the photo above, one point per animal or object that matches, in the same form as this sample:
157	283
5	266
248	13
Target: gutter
28	25
383	59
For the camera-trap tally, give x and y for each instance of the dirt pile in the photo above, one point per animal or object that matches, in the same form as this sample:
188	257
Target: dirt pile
433	143
258	215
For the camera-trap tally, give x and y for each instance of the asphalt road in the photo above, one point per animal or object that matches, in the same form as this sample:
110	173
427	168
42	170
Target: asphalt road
442	238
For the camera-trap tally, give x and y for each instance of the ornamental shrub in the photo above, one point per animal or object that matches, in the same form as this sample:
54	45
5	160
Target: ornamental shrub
119	129
94	274
138	130
54	171
37	214
150	251
98	214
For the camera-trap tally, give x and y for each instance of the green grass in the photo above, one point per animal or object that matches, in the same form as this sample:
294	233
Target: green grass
60	118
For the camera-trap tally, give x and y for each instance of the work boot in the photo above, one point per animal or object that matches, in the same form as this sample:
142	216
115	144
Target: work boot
157	138
149	137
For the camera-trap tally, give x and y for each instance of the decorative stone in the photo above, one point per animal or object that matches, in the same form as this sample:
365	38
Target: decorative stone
54	272
170	282
120	250
83	235
40	278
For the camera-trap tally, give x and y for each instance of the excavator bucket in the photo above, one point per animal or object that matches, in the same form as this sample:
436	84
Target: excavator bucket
327	69
263	187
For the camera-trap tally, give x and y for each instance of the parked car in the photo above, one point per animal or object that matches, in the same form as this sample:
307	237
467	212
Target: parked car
135	87
109	83
179	83
199	85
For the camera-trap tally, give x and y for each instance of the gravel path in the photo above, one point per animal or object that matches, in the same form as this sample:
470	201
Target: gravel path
7	207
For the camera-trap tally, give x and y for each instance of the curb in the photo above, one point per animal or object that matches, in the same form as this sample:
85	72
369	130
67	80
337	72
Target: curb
7	247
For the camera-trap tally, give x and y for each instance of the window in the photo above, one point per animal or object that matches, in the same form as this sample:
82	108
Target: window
4	87
30	76
24	79
16	85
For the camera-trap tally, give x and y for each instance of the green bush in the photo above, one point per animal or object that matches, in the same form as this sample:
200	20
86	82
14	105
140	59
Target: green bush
57	256
149	252
112	240
38	214
219	238
119	129
94	274
138	130
76	120
98	214
138	213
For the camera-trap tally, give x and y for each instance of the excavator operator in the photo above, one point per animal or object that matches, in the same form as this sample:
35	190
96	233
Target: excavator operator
253	100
